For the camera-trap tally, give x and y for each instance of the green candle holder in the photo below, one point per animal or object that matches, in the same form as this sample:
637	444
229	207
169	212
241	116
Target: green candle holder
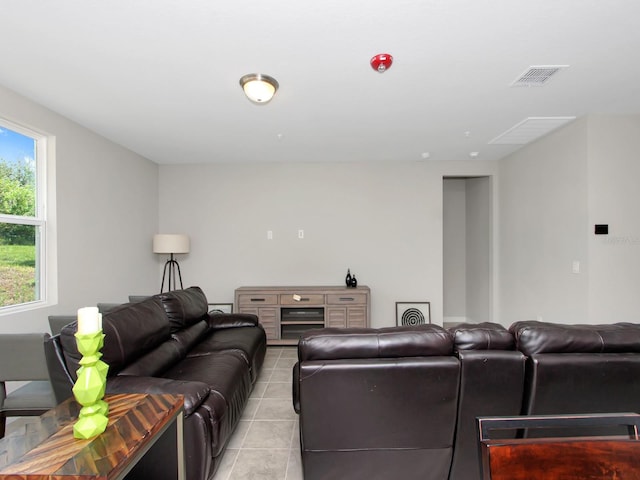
90	387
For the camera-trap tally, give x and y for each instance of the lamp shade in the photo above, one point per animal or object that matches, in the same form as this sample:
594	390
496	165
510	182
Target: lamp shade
170	243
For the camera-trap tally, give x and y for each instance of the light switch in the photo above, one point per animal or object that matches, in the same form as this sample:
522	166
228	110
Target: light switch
575	267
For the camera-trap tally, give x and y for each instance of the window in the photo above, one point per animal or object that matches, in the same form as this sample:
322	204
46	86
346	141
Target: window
24	254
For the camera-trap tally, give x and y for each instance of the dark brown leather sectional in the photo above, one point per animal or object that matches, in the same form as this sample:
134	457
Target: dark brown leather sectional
401	402
169	343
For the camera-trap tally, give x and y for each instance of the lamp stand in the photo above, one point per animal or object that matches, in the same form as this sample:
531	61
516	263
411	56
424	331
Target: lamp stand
170	267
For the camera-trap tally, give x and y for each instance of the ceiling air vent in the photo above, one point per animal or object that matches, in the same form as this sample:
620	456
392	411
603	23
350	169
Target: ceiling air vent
537	75
530	129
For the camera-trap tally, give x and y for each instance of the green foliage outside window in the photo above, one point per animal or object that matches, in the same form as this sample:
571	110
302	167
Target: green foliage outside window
17	197
17	242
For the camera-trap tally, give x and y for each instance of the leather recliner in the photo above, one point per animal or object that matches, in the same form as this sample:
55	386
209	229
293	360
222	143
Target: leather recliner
377	404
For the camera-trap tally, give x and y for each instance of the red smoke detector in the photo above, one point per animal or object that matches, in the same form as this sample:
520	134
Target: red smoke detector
381	62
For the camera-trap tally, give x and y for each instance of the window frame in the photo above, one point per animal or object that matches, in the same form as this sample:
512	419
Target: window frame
43	220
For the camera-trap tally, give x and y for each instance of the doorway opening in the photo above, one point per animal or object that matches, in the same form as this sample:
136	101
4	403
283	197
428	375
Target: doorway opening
467	249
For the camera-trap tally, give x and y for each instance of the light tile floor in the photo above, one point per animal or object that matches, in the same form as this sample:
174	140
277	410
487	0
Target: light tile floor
265	444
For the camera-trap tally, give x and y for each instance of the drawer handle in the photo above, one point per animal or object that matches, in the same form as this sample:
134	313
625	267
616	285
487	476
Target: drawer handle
257	299
298	298
347	299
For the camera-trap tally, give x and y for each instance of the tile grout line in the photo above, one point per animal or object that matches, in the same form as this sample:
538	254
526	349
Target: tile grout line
291	452
252	420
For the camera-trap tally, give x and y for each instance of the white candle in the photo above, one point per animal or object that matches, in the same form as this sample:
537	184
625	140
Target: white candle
88	320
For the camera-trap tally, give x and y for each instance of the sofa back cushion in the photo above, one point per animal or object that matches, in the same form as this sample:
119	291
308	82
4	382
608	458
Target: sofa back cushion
378	417
184	307
540	337
155	362
391	342
482	336
131	330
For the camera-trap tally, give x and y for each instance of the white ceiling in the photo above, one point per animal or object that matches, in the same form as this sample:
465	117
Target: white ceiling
161	76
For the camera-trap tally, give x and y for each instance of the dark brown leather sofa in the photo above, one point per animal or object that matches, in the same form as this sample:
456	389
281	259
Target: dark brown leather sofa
169	343
402	402
580	368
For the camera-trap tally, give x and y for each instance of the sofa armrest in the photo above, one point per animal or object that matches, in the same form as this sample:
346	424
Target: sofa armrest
229	320
295	392
59	375
194	393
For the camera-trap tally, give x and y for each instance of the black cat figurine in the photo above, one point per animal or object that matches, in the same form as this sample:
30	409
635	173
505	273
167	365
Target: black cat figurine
348	279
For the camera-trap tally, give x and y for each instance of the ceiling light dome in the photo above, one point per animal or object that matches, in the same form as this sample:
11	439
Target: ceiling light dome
259	88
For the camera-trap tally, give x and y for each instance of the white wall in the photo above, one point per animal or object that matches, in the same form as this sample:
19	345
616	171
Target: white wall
544	228
479	249
614	198
454	256
107	213
553	192
384	221
381	220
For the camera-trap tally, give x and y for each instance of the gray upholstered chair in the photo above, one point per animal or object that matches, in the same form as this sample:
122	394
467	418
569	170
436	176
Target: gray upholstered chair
56	322
138	298
104	307
22	359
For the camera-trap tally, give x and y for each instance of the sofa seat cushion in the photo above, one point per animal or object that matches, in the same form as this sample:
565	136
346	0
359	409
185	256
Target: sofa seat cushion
390	342
248	342
193	393
541	337
227	375
482	336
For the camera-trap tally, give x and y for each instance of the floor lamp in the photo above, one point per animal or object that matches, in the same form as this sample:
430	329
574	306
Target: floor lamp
171	244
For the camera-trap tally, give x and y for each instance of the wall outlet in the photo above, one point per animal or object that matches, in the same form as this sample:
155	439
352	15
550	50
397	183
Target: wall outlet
300	234
269	234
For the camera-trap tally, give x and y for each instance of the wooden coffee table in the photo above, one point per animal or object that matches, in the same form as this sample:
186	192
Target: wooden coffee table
48	450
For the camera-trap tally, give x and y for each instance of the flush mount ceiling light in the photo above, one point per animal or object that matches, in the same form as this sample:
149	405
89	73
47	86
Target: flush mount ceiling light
259	88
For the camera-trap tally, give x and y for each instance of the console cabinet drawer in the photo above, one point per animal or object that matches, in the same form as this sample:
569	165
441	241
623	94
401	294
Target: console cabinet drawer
268	318
257	300
302	299
347	299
